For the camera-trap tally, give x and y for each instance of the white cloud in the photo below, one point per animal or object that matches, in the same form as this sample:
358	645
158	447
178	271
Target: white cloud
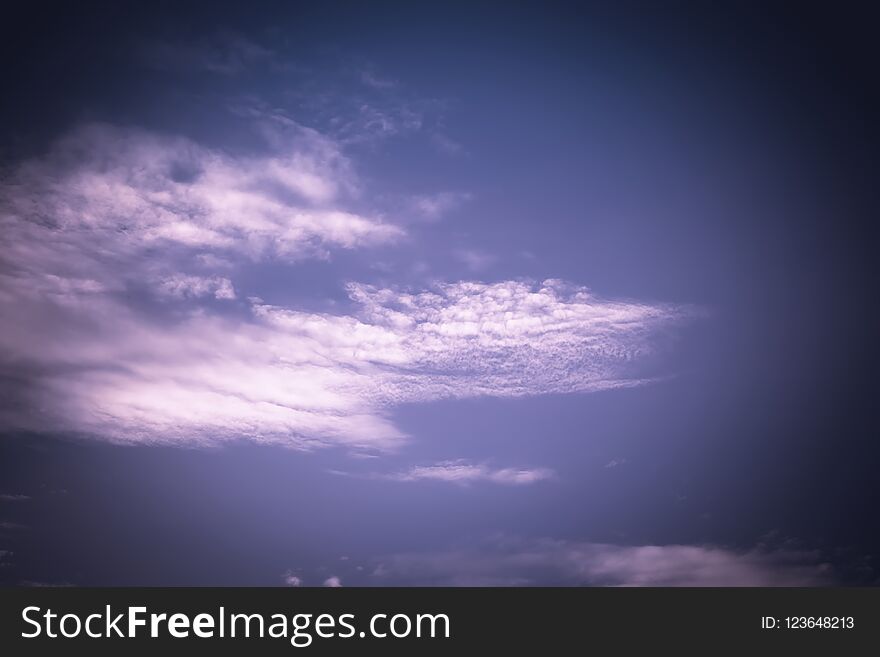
333	582
463	472
509	338
290	579
183	286
101	231
613	463
13	497
107	195
305	380
518	562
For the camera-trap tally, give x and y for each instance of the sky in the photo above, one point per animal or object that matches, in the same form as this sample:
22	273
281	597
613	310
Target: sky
446	294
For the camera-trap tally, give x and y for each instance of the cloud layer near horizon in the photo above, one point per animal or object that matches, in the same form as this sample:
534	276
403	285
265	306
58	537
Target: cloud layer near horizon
120	317
550	562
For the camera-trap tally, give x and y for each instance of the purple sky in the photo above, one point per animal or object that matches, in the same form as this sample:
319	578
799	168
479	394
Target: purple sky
458	297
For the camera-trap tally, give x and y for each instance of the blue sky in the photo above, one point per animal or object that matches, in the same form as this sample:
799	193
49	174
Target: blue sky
503	296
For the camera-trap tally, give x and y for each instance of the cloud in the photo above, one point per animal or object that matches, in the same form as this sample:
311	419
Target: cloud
117	240
13	497
290	579
333	582
475	259
613	463
183	286
376	109
114	193
11	525
97	367
434	206
462	472
371	79
42	585
446	145
520	562
372	121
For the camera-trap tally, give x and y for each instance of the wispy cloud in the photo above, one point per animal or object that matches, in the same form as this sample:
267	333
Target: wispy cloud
376	81
376	108
521	562
462	472
446	145
44	585
333	582
13	526
475	260
434	206
13	497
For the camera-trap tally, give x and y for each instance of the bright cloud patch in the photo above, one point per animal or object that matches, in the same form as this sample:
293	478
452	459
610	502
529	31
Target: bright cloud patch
290	579
119	316
106	195
182	286
306	379
462	472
